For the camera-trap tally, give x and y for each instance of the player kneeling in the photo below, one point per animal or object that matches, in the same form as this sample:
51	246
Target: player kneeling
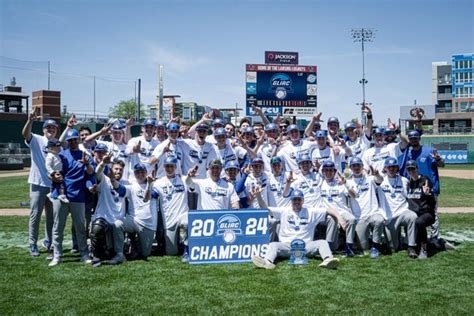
298	222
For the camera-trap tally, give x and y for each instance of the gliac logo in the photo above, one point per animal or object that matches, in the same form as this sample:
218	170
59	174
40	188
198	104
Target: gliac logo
228	226
280	85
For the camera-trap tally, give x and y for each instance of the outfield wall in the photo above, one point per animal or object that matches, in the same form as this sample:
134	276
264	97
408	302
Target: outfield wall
452	145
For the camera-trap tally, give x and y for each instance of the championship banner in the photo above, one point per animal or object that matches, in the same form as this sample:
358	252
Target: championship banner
227	236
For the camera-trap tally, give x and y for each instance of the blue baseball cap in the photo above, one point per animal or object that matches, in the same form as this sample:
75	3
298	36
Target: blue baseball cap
411	164
202	127
333	119
356	161
173	127
390	162
292	127
139	167
389	132
297	194
303	158
220	131
118	126
232	164
349	125
218	121
248	129
161	123
275	160
257	160
321	134
379	130
149	122
53	143
414	134
329	164
171	160
72	134
101	147
50	122
270	127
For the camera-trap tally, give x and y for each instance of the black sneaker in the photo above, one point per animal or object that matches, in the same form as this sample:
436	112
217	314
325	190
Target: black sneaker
412	253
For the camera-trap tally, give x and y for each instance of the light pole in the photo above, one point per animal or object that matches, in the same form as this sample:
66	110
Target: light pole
363	35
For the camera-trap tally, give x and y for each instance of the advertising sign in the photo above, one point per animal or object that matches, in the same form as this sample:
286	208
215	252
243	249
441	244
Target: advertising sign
287	88
453	156
281	58
227	236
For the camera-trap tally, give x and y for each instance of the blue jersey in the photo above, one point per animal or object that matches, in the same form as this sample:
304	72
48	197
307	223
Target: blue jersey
427	165
75	175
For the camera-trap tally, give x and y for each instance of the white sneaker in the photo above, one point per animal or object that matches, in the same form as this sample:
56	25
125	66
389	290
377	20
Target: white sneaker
63	198
423	254
262	263
86	259
118	259
54	262
330	263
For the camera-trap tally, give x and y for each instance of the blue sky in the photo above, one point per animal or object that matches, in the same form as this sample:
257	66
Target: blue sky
204	46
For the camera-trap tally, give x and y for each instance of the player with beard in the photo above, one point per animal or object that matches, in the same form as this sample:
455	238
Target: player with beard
365	206
298	222
140	148
392	193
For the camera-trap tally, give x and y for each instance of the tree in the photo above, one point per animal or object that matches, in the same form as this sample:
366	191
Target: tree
127	108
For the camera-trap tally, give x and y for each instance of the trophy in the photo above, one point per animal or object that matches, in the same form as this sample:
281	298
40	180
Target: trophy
298	252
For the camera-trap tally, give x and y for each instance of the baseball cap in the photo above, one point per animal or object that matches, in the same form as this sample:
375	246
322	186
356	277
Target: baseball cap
411	164
219	131
270	127
390	162
232	164
303	158
257	160
248	129
118	126
321	134
218	121
349	125
161	123
72	134
101	147
356	161
202	127
139	167
297	194
172	127
292	127
275	160
171	160
329	164
379	130
149	122
215	163
53	143
413	134
49	122
389	132
333	119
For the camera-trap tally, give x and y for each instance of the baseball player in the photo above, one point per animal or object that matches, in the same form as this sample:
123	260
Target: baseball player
256	178
323	151
365	207
142	215
294	149
333	195
213	192
392	193
277	182
171	147
308	182
172	191
298	222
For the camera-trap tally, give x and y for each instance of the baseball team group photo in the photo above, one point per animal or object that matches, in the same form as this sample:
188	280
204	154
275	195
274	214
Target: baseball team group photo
277	197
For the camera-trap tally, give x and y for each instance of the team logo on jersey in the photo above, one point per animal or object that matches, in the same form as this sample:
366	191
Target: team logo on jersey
229	226
145	152
218	192
280	85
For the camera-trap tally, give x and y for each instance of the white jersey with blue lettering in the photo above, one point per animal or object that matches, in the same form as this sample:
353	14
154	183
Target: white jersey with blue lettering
252	182
144	156
290	153
144	213
276	186
359	145
375	156
365	204
334	195
198	155
310	185
110	202
173	194
38	173
392	194
175	150
214	195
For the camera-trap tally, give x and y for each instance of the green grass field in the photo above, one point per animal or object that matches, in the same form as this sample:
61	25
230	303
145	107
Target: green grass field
454	192
394	284
460	166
